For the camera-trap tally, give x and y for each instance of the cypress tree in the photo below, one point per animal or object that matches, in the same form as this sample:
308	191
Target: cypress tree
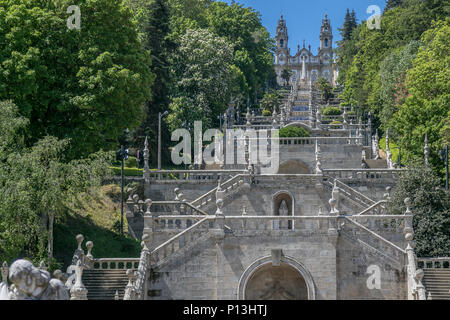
157	29
390	4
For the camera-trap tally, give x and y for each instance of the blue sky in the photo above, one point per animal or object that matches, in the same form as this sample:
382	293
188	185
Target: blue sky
304	17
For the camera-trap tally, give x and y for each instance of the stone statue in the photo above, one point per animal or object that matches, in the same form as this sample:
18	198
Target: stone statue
31	283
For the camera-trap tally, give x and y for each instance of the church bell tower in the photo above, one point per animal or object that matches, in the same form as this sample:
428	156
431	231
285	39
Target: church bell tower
326	48
282	51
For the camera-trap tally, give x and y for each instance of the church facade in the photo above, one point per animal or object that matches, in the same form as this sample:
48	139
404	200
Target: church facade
304	65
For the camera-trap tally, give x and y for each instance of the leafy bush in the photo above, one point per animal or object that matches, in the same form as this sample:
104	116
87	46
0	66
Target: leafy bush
131	172
266	113
336	123
293	132
131	162
331	111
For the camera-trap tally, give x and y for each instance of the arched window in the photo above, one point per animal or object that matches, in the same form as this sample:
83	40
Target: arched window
281	43
326	43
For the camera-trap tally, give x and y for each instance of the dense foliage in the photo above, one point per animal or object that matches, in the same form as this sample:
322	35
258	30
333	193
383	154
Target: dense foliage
431	209
401	74
86	85
36	182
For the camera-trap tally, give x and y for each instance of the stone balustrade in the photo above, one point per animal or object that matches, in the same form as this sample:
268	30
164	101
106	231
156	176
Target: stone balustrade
182	239
115	263
320	140
372	175
433	263
382	223
348	191
379	245
192	175
300	179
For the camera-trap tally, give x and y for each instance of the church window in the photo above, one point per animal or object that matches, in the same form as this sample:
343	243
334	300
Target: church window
281	43
326	43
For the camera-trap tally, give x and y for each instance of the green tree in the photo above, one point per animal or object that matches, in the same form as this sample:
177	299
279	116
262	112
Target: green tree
86	85
426	108
157	41
431	209
271	101
203	71
325	88
36	183
286	75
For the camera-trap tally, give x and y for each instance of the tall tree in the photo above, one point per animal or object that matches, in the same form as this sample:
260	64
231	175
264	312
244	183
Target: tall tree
157	41
392	4
202	69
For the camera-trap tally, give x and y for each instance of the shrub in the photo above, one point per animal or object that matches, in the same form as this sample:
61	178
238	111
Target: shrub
336	123
131	172
131	162
331	111
293	132
266	113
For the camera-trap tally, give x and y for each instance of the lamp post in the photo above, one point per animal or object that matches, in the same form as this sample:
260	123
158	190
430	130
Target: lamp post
443	154
399	157
123	154
160	116
220	117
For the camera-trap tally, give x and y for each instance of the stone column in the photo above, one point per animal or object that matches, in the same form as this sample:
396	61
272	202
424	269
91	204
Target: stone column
146	174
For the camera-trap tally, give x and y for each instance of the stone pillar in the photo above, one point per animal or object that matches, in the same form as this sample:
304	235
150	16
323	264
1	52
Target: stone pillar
78	291
303	68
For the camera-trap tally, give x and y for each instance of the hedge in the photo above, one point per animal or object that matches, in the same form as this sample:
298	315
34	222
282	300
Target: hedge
331	111
293	132
131	172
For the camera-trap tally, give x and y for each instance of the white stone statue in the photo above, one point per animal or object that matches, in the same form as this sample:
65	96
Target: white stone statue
31	283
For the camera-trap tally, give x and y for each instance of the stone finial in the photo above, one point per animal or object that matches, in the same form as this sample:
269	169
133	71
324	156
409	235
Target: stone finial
274	117
318	155
148	204
429	296
80	239
89	246
5	270
219	204
376	146
407	203
145	241
426	151
116	295
253	115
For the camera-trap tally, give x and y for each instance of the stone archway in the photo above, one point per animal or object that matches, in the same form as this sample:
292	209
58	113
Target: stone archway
288	281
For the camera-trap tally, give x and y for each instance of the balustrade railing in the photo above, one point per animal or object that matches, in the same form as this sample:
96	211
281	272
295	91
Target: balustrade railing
382	223
192	175
360	233
434	263
379	208
115	263
372	175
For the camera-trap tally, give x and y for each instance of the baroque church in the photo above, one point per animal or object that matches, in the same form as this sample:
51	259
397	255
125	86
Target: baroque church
304	65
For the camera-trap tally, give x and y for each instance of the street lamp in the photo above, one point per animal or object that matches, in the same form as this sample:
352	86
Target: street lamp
123	155
160	116
399	157
220	117
443	154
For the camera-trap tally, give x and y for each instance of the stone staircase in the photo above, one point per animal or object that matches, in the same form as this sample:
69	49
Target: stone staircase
102	284
437	283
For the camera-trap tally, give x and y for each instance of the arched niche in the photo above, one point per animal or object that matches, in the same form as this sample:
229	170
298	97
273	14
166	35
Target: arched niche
288	281
283	204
